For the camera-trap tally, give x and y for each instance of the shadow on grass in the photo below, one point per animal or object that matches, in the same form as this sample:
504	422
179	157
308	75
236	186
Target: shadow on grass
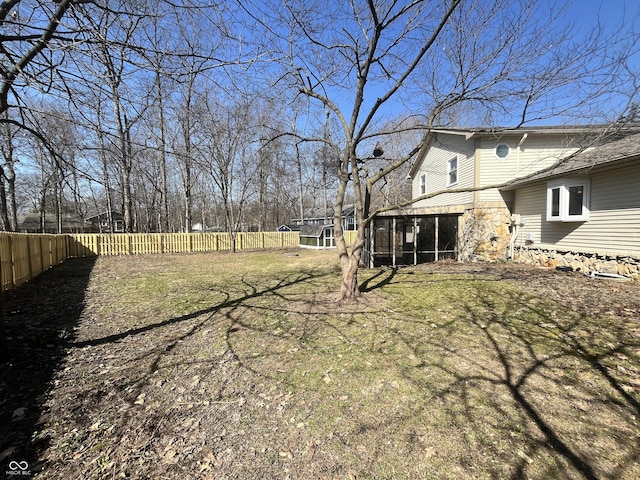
382	277
40	318
183	327
503	376
545	376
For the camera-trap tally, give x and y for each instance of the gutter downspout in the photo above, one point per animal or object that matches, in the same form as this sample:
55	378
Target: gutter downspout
518	147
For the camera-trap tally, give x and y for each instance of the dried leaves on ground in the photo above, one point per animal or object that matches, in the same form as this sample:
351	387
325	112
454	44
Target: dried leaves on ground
244	366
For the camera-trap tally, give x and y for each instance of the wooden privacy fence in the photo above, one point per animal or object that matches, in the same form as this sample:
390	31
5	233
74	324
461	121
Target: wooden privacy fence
83	245
23	256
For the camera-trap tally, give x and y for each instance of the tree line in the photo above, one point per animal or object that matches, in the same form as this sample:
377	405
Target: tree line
159	110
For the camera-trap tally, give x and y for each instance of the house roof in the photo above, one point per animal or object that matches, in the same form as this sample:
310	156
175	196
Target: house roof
479	132
313	230
98	216
609	155
31	221
550	129
321	213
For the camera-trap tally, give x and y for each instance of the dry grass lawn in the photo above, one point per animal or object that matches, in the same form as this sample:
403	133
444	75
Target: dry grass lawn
244	367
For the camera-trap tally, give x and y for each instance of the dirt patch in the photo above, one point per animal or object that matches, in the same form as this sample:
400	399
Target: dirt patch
196	367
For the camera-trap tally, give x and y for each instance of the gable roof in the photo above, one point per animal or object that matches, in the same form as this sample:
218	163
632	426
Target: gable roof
313	230
98	216
609	155
31	222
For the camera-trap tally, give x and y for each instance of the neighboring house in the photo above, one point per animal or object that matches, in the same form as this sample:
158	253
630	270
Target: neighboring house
585	213
32	223
470	221
321	216
100	223
289	228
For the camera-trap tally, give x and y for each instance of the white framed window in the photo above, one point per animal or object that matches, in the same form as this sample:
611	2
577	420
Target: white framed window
423	184
502	150
452	171
568	200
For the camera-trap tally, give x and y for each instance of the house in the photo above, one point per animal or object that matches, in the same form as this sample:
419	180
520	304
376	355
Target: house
461	210
583	214
32	223
289	228
100	223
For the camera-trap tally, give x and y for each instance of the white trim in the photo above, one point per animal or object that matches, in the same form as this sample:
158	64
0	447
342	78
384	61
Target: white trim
452	170
563	188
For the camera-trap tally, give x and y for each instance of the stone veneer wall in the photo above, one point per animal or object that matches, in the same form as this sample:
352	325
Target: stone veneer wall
581	262
484	234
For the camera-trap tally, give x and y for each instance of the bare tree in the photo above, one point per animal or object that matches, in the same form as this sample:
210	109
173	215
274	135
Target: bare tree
29	29
8	213
513	61
230	160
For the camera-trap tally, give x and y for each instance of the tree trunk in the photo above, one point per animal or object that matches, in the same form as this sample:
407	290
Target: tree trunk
349	288
4	211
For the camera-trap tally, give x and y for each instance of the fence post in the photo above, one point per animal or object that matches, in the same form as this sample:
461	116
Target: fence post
12	279
29	259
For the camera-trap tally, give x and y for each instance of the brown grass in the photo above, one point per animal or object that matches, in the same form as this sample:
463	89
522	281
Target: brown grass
243	366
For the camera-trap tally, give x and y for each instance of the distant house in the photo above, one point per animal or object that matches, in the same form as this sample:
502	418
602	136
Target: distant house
32	223
585	213
472	219
99	223
289	228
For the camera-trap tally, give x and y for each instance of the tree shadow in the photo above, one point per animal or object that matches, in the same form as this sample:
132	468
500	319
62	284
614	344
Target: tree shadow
40	320
529	348
483	368
382	277
535	389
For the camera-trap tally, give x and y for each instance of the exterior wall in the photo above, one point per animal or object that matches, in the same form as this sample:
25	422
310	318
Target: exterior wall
534	154
608	242
434	166
613	228
484	234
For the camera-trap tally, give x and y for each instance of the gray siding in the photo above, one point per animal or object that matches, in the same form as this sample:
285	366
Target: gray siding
614	221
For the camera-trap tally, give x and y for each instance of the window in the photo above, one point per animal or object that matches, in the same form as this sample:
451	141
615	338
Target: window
503	150
423	184
453	171
568	200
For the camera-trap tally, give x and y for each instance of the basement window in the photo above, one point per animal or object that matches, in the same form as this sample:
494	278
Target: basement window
568	200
